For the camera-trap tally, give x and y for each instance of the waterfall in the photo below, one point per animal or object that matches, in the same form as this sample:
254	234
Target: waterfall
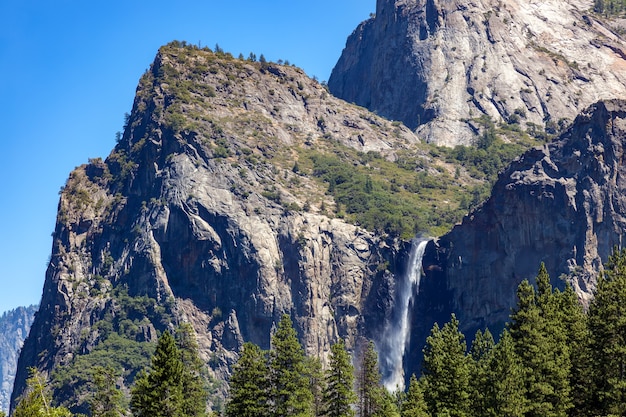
397	332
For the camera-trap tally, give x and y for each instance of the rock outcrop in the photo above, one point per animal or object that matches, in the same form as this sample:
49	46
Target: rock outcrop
14	326
199	215
561	204
438	65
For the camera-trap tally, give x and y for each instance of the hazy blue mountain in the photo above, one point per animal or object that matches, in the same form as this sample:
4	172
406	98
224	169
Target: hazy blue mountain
14	326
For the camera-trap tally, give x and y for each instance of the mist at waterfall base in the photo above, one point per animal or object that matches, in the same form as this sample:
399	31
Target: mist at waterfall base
397	333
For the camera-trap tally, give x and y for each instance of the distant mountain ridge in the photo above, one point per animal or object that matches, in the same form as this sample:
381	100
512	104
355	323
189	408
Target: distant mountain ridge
14	327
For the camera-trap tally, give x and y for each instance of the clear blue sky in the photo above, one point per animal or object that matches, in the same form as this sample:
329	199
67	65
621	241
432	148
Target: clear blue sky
68	73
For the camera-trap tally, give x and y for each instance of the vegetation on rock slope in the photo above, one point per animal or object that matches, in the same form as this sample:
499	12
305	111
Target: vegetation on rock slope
245	113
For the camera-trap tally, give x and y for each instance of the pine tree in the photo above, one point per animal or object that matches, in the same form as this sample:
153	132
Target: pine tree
385	404
249	384
480	354
540	338
576	327
37	401
107	399
607	326
339	395
317	383
159	392
505	394
446	371
368	382
193	378
414	404
290	391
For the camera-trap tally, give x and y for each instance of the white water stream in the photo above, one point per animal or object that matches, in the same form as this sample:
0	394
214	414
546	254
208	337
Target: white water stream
396	337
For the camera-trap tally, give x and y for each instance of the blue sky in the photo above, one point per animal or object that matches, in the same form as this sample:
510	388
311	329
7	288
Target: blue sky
68	73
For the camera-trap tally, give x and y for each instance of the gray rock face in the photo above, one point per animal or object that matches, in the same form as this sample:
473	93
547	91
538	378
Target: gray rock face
193	210
562	204
436	65
14	326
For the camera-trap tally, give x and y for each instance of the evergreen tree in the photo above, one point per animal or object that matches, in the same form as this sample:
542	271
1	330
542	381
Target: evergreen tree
385	404
414	404
505	394
193	378
446	371
317	384
37	401
159	392
107	399
576	327
607	326
540	338
290	391
339	395
368	382
249	384
480	354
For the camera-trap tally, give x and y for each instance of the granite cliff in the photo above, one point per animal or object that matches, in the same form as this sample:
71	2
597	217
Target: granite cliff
14	326
212	210
561	204
438	65
243	190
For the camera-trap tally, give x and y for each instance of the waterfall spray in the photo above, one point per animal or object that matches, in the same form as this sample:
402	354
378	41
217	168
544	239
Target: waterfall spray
397	332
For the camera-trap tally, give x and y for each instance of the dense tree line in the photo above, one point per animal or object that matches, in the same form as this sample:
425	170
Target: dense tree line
553	359
173	386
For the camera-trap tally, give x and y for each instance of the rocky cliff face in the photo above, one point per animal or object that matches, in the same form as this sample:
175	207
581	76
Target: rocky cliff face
14	326
562	204
215	209
438	65
200	215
